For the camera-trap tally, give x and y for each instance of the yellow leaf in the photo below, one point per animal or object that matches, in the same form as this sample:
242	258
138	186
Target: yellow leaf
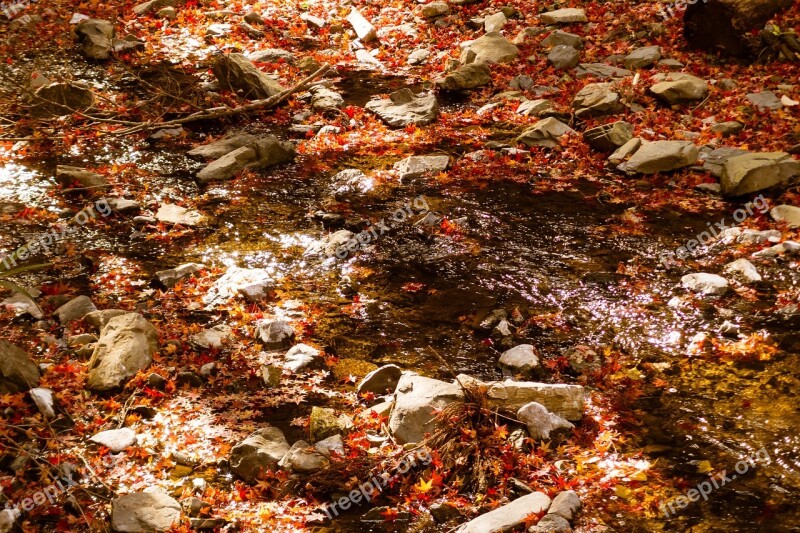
424	486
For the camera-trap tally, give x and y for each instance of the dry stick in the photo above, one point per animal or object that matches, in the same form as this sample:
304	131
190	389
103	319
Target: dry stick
221	112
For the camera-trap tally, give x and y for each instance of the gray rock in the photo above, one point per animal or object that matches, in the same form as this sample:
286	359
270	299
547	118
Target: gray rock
609	137
323	423
443	512
643	57
522	359
536	108
563	57
275	333
175	214
58	99
235	281
714	161
126	346
271	55
168	13
350	181
419	57
528	33
151	6
744	269
541	422
333	243
752	172
788	214
704	283
566	401
18	373
333	445
679	88
730	127
99	319
223	146
262	153
416	398
551	523
559	37
45	402
124	206
470	76
168	278
22	305
661	156
494	22
672	64
625	151
566	505
211	338
74	309
259	452
304	459
300	356
403	108
435	9
545	133
237	73
596	99
600	70
522	82
115	440
144	512
324	99
492	47
418	166
765	100
95	38
567	15
381	380
365	31
508	516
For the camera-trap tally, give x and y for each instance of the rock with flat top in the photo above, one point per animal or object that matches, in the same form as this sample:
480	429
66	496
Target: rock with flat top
492	47
569	15
509	516
752	172
661	156
144	512
404	108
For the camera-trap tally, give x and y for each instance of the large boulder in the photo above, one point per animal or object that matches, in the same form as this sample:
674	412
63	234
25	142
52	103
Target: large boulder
679	88
18	373
470	76
144	512
403	108
416	399
596	99
237	73
262	450
509	516
752	172
545	133
492	47
95	37
661	156
263	152
126	346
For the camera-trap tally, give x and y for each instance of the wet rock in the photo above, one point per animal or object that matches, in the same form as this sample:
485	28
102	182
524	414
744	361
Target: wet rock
743	269
494	22
416	398
75	309
727	128
363	28
124	206
57	99
679	88
45	402
569	15
545	133
541	422
126	346
168	278
340	242
600	70
582	358
752	172
380	381
95	38
492	47
144	512
151	6
643	57
262	450
18	373
704	283
536	108
563	57
566	505
566	401
333	445
559	37
300	356
324	99
508	516
237	281
419	166
435	9
211	338
99	319
275	333
223	146
262	153
304	459
237	73
609	137
661	156
350	181
443	512
116	440
786	213
596	99
403	108
419	57
522	359
175	214
765	101
551	523
324	423
21	305
467	77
